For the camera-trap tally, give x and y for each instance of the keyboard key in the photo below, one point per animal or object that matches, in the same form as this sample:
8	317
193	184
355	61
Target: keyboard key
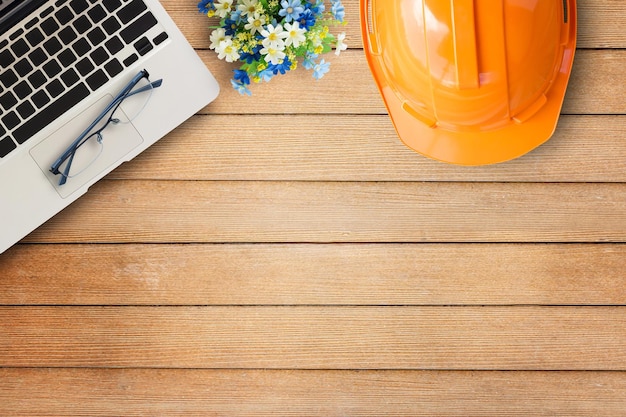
11	120
37	57
114	45
40	99
96	36
160	38
23	67
6	146
32	22
6	58
112	5
37	79
13	36
67	35
44	117
49	26
55	88
97	80
131	11
35	37
130	60
111	25
52	46
20	48
70	77
7	100
64	15
138	28
25	110
22	90
79	6
81	47
113	67
143	46
97	13
84	66
46	12
8	78
82	24
66	58
99	56
52	68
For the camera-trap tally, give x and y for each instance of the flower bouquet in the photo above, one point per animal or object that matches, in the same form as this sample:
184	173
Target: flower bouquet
268	37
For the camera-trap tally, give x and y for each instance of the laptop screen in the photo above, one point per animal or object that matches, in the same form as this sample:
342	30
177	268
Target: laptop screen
13	11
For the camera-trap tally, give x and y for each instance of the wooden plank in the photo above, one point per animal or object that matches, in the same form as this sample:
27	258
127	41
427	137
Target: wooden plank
599	23
370	274
254	212
349	88
105	392
292	337
366	148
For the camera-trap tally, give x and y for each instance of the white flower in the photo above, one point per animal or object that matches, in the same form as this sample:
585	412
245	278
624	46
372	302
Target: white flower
295	34
226	50
340	45
249	7
223	7
217	36
273	36
255	23
273	54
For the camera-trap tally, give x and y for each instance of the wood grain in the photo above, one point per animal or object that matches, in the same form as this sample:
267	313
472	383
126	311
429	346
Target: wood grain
255	212
347	274
303	337
366	148
104	392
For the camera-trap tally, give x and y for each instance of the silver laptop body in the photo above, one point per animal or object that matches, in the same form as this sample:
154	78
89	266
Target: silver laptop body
62	62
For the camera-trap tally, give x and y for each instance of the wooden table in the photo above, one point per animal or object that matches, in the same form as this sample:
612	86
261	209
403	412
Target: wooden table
285	254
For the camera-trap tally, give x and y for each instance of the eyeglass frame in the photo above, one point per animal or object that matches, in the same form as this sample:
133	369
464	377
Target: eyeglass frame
87	134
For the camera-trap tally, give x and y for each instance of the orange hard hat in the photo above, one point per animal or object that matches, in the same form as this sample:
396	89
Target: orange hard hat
471	82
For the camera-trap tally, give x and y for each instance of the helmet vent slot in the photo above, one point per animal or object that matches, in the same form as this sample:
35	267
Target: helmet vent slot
565	11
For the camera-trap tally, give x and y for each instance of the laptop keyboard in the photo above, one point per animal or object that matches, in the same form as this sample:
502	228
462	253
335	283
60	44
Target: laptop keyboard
67	51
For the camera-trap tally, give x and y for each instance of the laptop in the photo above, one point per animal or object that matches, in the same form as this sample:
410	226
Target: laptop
84	86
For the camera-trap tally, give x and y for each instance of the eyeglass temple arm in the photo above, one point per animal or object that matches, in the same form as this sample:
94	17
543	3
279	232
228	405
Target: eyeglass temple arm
71	148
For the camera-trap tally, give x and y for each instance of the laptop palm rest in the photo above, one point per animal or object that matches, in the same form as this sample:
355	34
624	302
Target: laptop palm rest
93	159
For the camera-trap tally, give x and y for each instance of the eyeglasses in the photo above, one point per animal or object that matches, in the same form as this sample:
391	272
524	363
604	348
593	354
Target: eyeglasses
65	165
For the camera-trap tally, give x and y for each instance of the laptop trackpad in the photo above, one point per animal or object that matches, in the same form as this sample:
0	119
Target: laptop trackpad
93	158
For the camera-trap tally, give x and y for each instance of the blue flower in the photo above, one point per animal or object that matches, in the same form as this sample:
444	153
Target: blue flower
338	10
307	19
241	88
320	69
230	27
266	75
251	57
317	8
281	67
241	77
205	6
291	10
309	60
